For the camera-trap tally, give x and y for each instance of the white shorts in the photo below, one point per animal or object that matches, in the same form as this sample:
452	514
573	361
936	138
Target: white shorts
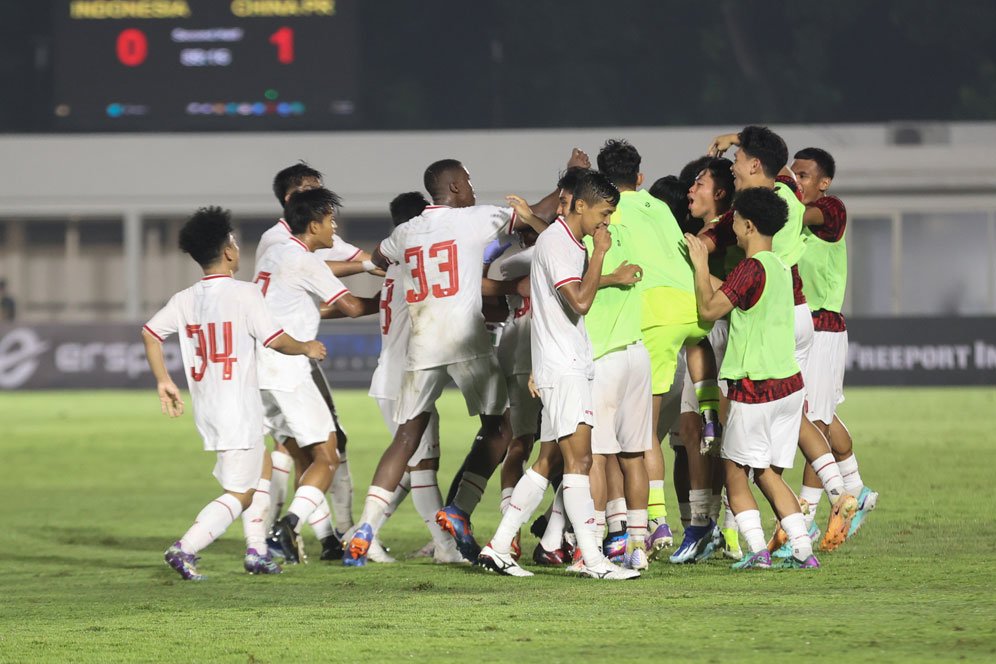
803	336
566	405
239	470
302	415
671	405
524	408
718	337
760	435
428	447
480	381
824	375
623	403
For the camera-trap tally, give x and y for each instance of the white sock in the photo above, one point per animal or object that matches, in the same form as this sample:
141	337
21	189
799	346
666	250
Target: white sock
699	501
715	502
615	514
404	487
526	497
320	520
377	501
811	495
795	527
636	527
852	478
749	522
282	466
506	496
553	536
599	528
211	522
306	500
826	467
469	492
729	520
581	511
685	513
428	501
254	523
341	494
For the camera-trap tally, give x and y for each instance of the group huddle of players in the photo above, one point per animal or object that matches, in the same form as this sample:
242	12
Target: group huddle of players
598	320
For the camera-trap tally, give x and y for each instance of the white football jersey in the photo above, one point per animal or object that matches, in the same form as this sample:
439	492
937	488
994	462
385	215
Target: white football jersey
295	283
395	328
441	253
559	341
220	321
279	232
514	353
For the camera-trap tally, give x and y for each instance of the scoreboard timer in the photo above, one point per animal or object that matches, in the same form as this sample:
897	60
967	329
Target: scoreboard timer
205	65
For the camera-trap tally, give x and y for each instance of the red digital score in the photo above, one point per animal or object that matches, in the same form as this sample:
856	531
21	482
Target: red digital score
132	47
283	39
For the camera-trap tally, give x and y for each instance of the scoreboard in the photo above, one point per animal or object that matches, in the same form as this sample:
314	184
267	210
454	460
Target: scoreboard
205	65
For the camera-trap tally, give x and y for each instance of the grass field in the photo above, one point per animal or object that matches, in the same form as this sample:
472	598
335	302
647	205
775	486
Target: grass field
98	484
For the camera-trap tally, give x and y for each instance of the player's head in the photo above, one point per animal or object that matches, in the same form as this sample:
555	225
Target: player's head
595	199
207	237
407	206
565	188
762	153
312	212
448	183
295	178
674	193
692	169
760	211
814	168
711	194
620	161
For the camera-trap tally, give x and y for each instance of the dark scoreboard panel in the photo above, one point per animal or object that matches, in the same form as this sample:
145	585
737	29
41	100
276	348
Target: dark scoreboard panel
196	65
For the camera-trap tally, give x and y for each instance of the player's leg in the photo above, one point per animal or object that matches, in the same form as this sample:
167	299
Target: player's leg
704	375
283	466
254	525
341	490
616	536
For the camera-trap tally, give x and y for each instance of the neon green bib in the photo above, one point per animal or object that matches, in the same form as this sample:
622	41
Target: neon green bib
788	243
614	318
823	268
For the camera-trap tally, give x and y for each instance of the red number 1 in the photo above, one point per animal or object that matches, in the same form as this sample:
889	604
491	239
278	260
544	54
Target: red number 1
283	39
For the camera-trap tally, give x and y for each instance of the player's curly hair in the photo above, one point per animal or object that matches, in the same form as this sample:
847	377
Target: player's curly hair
310	205
206	234
763	207
824	160
620	161
293	177
766	146
593	187
407	206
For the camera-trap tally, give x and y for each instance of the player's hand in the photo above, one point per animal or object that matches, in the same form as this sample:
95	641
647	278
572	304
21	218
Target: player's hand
602	239
697	251
523	287
315	350
519	204
169	399
533	390
721	144
496	248
628	274
579	158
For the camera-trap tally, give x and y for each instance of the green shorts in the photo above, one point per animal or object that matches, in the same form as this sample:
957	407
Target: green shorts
670	321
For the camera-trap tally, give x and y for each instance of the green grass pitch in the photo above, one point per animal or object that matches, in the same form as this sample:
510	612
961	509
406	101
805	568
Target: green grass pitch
97	484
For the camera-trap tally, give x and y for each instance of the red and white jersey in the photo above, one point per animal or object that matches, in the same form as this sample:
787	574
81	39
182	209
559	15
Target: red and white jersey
395	329
295	283
514	353
220	321
441	253
560	344
279	232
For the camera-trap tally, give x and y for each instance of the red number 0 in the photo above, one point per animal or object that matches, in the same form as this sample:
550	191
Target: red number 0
132	47
263	279
209	351
449	267
385	306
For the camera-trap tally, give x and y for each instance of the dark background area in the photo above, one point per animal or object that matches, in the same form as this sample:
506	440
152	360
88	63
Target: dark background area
442	64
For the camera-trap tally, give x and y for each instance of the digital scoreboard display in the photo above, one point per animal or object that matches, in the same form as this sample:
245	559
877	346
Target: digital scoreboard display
205	65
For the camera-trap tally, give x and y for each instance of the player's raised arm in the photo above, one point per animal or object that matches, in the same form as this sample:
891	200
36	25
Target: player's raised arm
580	295
713	304
169	393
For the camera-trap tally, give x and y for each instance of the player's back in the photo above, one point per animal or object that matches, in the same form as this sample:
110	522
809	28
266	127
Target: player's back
275	235
658	245
395	330
442	255
514	353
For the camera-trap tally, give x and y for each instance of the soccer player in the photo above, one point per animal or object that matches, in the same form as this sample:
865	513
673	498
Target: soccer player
385	386
760	161
443	254
669	320
823	268
220	321
562	292
295	284
764	380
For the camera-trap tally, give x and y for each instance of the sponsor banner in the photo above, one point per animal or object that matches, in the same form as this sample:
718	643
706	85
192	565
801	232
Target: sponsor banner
883	351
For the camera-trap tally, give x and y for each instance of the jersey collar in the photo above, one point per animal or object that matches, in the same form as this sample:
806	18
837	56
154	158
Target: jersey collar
567	229
216	276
